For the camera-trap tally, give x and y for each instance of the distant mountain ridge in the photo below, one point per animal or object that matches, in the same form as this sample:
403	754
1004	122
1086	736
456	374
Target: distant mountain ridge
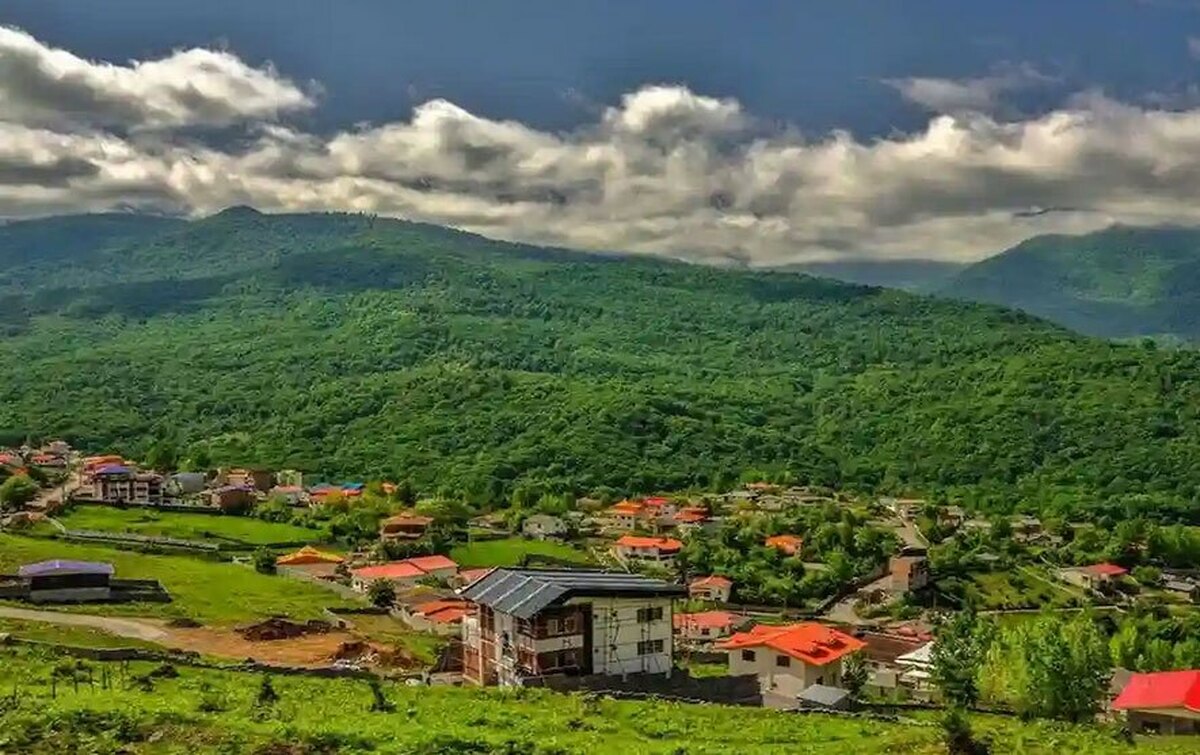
1122	282
915	275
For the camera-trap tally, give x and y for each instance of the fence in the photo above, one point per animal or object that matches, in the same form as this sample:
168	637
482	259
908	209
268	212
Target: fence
679	686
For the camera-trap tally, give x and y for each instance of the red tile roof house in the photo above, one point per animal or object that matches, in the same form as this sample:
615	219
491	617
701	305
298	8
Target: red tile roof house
713	588
404	573
659	550
706	626
404	527
790	659
442	617
1166	702
1094	577
789	545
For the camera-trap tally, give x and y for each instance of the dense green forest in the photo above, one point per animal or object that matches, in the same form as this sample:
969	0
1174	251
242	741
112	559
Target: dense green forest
1122	282
358	347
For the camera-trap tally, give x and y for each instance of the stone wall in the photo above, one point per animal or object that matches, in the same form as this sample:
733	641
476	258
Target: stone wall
680	686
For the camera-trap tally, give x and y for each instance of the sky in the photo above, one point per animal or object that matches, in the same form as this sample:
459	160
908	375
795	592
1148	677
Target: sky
745	132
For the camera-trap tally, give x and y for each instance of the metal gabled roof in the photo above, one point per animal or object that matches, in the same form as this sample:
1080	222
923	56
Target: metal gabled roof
525	592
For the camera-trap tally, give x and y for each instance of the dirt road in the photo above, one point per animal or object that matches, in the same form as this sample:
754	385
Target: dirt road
131	628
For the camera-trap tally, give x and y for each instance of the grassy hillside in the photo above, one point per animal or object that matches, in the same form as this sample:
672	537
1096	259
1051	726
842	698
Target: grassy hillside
216	711
359	347
1118	283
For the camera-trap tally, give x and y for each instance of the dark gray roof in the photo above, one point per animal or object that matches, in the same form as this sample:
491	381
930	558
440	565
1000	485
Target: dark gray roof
61	566
525	592
820	694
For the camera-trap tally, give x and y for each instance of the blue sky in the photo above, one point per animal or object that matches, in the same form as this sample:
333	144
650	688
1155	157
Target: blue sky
756	132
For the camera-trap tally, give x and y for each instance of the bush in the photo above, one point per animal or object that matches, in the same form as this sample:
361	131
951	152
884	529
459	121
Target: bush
381	593
264	561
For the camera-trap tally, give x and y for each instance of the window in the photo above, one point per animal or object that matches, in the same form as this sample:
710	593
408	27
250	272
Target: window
748	655
650	647
568	625
783	660
646	615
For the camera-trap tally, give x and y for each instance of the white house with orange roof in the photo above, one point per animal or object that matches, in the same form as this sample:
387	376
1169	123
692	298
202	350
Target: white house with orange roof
706	626
790	659
404	574
658	550
714	588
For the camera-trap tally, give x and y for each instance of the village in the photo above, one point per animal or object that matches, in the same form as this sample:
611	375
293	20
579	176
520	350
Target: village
774	595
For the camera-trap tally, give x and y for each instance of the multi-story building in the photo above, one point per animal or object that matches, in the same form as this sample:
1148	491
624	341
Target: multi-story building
119	483
527	623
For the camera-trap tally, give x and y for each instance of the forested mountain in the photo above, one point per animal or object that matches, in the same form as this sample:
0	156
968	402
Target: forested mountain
358	347
1122	282
905	274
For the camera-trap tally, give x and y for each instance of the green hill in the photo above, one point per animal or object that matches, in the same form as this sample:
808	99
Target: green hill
359	347
905	274
1118	283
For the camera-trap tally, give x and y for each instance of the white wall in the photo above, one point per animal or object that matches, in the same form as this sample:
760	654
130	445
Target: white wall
790	680
616	633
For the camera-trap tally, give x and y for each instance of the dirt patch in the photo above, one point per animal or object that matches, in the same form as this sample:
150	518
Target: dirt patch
306	650
275	629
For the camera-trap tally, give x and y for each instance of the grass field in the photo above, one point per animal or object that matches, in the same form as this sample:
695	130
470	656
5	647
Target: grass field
1025	587
185	526
510	551
203	711
211	592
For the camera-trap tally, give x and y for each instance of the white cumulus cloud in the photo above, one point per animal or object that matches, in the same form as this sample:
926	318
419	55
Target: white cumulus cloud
663	170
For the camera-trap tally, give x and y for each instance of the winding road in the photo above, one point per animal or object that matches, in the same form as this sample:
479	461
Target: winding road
131	628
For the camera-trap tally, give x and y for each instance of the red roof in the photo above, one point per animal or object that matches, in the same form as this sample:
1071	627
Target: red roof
712	581
789	544
1111	570
626	507
396	570
815	644
1162	689
470	575
409	568
660	543
691	517
443	611
704	620
656	501
431	563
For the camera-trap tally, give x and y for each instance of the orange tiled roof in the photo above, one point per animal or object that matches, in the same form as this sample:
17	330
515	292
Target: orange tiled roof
815	644
406	519
309	555
691	517
395	570
626	507
789	544
430	563
661	543
712	581
704	620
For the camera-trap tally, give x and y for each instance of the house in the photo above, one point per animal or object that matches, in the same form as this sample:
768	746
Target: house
881	651
1183	587
627	514
916	669
789	545
290	478
467	576
311	561
656	550
232	497
442	617
186	483
258	479
691	518
1026	529
908	573
543	527
1163	702
48	461
404	527
714	588
292	495
951	517
1094	577
120	483
790	659
61	581
406	573
904	508
657	507
706	626
530	622
59	448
